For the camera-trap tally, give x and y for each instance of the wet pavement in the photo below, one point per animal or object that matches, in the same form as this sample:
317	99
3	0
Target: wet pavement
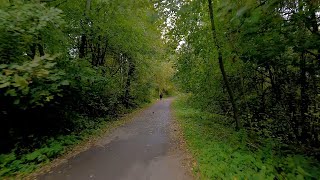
143	149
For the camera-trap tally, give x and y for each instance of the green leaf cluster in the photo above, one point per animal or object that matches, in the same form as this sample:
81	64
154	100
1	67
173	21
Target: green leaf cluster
32	83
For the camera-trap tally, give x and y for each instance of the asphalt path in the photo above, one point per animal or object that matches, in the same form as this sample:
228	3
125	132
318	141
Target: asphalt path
143	149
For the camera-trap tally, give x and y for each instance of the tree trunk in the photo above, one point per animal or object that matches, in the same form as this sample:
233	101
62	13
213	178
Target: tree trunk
104	51
83	38
221	65
245	100
304	96
274	86
313	21
128	84
88	7
40	46
32	51
41	50
82	46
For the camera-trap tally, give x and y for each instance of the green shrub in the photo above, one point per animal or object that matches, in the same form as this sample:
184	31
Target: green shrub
32	83
50	102
222	153
13	163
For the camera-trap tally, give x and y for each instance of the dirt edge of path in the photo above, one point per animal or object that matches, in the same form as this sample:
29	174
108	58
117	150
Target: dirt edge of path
87	143
177	135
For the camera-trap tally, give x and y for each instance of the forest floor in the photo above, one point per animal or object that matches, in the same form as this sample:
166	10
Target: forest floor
147	147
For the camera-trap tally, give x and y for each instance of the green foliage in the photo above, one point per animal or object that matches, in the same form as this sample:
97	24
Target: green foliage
221	153
26	79
24	24
33	83
270	51
106	57
12	163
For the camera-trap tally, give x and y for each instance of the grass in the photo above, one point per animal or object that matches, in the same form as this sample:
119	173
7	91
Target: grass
222	153
27	165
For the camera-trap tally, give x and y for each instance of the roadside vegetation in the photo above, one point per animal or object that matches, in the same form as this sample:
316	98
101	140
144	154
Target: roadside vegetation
221	153
69	68
254	61
252	72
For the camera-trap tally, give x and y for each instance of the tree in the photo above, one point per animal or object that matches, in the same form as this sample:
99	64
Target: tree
270	50
221	65
65	64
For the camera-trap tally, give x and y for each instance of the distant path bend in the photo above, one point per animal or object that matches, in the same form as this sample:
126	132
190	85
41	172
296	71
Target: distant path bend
143	149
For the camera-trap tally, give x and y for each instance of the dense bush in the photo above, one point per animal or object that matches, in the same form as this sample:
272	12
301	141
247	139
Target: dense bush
260	66
66	64
221	153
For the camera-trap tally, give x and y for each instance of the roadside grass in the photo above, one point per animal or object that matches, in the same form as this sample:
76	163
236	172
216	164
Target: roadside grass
21	166
222	153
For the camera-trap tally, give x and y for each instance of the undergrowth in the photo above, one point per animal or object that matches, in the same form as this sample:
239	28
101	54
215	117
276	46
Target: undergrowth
13	163
21	162
222	153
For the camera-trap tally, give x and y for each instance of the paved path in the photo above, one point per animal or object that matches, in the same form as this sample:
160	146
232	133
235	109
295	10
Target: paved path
140	150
